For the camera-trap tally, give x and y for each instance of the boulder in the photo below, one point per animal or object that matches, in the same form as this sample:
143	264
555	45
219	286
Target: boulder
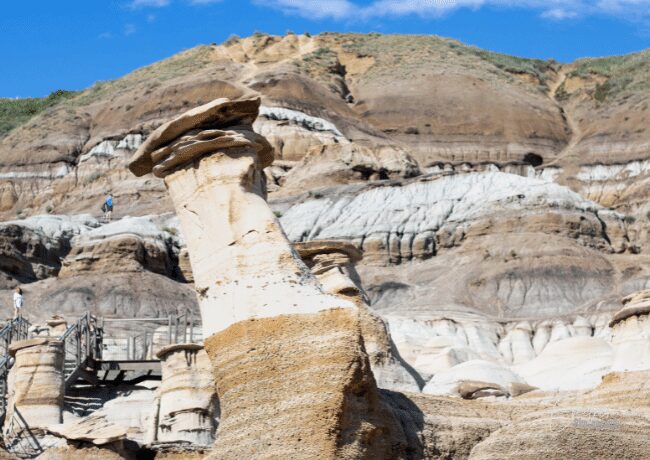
469	378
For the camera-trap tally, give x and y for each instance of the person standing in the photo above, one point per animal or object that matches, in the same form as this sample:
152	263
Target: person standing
18	302
108	208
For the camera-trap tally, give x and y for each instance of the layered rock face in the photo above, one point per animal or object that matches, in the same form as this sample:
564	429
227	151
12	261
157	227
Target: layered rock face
187	396
128	245
109	269
35	383
496	247
630	333
356	102
265	317
32	249
332	262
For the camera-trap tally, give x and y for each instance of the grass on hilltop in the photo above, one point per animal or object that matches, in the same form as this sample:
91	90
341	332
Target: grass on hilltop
625	74
14	112
409	54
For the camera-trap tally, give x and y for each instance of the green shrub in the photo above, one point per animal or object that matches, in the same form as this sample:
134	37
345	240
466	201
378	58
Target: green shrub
14	112
602	90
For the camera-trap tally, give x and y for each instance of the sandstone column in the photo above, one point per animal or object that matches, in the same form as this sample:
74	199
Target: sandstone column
35	383
332	262
187	395
292	376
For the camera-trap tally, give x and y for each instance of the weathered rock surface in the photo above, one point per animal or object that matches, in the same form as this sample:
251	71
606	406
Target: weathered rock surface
31	249
187	396
569	364
334	164
524	226
630	332
211	160
472	376
121	295
35	385
337	89
500	244
332	262
130	244
95	429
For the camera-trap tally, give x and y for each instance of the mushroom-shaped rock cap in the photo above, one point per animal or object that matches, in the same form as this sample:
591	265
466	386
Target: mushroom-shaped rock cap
637	304
215	115
307	249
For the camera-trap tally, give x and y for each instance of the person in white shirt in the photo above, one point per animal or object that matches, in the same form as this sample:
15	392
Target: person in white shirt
18	302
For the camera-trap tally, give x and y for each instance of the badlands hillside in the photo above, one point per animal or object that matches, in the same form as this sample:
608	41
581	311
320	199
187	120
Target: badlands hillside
500	205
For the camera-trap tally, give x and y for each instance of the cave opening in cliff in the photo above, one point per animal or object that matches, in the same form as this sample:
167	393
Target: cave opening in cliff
533	159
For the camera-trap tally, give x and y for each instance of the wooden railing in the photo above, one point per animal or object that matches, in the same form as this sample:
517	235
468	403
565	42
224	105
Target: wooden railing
84	353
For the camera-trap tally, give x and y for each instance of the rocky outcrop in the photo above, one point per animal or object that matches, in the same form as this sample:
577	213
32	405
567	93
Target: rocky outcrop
340	89
187	397
35	384
265	317
490	243
418	218
334	164
630	327
578	432
130	244
95	429
121	295
332	262
476	378
32	249
497	242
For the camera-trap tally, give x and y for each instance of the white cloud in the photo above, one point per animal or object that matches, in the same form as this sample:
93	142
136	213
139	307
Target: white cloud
129	29
314	9
559	14
149	3
552	9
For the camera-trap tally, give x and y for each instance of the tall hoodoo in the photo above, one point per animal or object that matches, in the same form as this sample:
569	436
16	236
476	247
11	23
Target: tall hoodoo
291	372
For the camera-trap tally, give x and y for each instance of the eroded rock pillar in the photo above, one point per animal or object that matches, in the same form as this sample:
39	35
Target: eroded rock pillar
187	396
332	262
35	384
292	376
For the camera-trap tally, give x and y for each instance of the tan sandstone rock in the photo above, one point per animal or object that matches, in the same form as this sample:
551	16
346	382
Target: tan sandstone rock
333	264
270	328
35	383
187	396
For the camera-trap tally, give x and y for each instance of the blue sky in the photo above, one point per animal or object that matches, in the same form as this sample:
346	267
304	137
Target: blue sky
53	44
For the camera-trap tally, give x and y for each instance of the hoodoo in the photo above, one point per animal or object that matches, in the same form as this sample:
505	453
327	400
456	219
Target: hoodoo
291	371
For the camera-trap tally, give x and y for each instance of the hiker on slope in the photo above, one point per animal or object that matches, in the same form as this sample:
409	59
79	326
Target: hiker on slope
107	207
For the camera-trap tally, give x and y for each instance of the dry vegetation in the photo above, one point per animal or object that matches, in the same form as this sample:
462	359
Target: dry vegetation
14	112
626	75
